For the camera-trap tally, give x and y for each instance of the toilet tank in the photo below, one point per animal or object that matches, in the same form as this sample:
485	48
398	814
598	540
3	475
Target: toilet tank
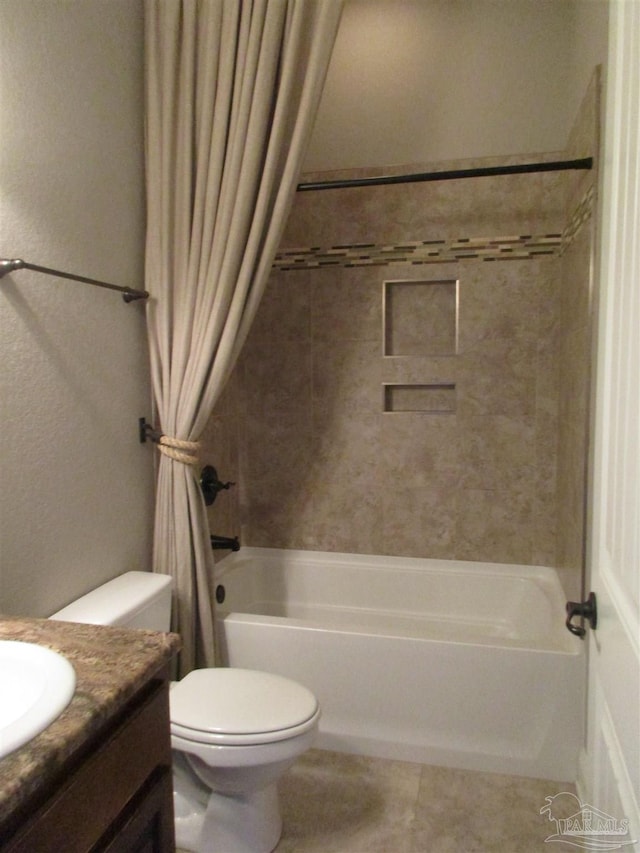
132	600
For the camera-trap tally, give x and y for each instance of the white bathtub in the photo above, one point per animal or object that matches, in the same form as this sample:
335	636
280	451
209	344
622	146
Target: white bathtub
462	664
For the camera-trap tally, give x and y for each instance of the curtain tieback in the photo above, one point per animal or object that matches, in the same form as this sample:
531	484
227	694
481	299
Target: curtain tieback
179	449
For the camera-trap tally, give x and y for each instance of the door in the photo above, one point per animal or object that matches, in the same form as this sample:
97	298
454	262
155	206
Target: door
610	769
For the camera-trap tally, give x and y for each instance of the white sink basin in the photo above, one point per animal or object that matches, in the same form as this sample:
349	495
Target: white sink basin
36	685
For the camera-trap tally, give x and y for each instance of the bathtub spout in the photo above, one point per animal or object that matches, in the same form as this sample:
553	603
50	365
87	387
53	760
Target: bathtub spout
226	543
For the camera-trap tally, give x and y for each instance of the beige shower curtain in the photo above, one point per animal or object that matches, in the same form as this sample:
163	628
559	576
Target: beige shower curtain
232	88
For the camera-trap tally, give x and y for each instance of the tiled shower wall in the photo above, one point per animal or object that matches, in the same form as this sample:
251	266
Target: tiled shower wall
576	346
475	472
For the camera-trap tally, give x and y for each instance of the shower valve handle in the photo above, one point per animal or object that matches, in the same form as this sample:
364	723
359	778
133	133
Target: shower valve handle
211	485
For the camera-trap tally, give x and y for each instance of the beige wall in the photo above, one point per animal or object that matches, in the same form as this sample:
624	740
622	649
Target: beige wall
588	47
75	485
426	80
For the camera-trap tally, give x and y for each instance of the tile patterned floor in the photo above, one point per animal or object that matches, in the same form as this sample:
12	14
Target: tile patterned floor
337	803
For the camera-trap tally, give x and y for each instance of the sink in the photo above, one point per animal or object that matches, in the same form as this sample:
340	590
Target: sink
36	685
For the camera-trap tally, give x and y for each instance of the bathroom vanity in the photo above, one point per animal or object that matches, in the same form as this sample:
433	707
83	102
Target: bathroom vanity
99	777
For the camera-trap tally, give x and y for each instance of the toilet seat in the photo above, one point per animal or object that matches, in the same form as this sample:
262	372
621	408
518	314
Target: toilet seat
230	706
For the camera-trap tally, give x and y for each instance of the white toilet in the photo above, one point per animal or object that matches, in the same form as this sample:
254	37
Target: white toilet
233	731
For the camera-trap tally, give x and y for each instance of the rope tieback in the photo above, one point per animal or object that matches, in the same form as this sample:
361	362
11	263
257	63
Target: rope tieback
179	449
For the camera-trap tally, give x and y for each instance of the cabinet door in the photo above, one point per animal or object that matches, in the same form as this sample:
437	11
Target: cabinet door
147	827
109	785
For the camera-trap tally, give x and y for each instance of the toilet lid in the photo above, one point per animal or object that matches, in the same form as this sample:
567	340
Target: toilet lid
238	702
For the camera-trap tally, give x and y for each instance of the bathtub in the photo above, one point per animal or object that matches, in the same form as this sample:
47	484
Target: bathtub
460	664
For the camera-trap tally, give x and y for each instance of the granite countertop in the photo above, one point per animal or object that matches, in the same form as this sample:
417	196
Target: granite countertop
111	664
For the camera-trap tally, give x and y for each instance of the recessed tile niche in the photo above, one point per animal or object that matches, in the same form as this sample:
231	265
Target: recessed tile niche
420	318
436	398
420	323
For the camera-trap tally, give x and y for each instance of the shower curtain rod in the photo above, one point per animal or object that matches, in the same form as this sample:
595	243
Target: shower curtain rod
128	294
453	174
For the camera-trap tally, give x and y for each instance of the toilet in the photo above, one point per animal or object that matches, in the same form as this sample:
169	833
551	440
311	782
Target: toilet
234	732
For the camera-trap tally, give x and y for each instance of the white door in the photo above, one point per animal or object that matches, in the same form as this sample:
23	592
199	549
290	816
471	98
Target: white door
610	769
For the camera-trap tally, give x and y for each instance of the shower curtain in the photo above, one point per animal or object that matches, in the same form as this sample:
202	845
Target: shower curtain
232	88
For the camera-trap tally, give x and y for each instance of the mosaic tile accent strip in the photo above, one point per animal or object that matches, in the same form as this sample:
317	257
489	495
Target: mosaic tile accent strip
581	215
417	252
420	252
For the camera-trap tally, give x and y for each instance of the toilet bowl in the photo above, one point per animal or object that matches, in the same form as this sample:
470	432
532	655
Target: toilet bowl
233	731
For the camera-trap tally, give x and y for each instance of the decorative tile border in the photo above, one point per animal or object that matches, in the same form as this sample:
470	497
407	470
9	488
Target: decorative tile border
420	252
581	214
438	251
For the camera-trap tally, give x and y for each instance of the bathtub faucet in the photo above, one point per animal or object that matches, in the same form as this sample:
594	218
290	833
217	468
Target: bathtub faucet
226	543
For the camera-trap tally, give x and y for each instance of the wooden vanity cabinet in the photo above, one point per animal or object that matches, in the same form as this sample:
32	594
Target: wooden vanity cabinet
117	796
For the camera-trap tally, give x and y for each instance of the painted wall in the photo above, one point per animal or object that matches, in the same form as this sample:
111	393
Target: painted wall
426	80
75	484
588	46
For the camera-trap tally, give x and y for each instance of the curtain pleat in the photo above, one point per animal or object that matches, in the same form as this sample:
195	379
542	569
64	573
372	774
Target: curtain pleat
232	88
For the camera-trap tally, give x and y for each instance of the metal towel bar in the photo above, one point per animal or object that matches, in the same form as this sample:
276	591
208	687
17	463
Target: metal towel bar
128	293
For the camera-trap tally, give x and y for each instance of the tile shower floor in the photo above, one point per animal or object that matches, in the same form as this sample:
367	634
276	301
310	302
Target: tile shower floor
337	803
